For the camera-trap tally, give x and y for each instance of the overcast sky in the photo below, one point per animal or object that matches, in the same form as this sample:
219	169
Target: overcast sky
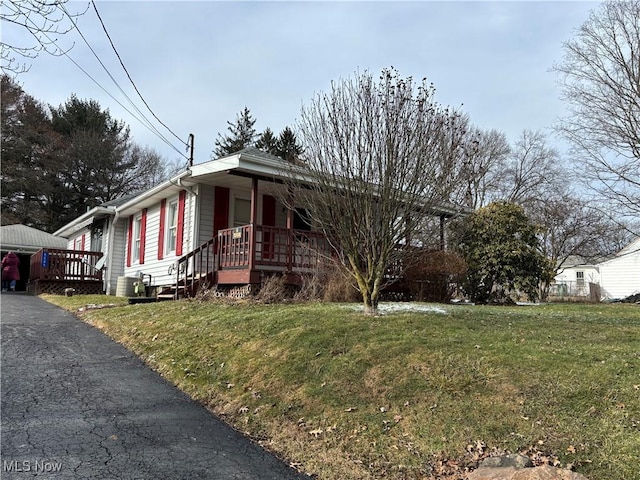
198	64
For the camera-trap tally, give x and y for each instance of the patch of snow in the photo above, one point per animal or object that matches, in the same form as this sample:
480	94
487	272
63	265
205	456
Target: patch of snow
386	308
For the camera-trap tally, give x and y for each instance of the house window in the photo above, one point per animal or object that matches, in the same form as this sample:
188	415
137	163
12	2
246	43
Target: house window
137	238
242	212
580	279
97	232
301	220
172	225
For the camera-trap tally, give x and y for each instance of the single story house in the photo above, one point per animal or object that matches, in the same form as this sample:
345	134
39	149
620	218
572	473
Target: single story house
575	277
220	221
616	277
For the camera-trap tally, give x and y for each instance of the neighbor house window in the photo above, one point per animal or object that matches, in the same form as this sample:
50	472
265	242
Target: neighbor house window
580	278
172	225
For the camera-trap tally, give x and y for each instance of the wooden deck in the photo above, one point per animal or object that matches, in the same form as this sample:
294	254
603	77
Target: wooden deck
53	270
243	255
248	251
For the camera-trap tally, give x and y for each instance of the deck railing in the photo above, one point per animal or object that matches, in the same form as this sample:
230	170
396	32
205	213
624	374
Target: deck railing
59	264
272	247
234	246
197	266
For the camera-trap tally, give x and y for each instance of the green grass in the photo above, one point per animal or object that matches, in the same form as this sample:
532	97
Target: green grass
405	395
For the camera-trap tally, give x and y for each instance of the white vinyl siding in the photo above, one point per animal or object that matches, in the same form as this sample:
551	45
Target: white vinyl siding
162	271
620	276
206	199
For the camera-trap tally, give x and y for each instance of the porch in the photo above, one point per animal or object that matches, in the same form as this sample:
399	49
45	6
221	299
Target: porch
52	270
243	255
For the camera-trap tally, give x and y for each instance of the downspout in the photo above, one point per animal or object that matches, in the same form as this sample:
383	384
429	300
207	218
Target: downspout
110	250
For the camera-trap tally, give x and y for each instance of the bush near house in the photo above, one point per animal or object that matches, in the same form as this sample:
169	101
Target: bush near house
435	276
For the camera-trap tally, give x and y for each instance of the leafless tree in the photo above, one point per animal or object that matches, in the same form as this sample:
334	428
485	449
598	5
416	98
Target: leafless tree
532	170
43	21
482	167
378	156
571	227
150	168
600	80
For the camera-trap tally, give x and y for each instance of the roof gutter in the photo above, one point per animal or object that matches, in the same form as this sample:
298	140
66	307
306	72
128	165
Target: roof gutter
82	221
175	181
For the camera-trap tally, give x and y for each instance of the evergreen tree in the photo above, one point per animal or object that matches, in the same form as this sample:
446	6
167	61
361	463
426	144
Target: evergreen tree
502	250
57	162
242	134
97	166
268	142
31	154
288	147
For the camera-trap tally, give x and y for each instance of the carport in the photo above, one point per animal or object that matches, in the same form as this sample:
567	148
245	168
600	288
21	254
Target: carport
24	241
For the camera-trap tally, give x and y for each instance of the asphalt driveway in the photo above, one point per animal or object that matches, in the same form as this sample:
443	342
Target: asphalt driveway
76	405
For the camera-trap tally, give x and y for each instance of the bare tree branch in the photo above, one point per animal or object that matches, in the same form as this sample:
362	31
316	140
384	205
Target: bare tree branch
600	81
378	157
43	20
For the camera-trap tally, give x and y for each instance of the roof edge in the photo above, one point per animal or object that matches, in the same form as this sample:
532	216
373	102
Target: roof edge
79	222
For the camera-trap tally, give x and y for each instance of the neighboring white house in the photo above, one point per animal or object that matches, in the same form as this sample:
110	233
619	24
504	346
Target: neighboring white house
574	278
620	275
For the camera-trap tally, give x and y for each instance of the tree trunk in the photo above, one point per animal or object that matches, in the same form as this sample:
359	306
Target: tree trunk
370	304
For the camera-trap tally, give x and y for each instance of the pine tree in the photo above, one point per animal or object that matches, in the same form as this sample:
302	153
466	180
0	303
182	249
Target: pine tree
288	147
268	142
242	135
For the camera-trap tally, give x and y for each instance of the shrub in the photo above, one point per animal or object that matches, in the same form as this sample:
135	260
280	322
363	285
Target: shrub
328	283
273	290
435	275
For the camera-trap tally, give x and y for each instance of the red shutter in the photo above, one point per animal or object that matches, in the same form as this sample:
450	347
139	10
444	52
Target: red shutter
143	234
269	220
129	240
163	214
220	209
82	242
180	227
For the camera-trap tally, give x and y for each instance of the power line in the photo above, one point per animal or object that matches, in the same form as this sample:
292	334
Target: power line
147	123
129	76
53	42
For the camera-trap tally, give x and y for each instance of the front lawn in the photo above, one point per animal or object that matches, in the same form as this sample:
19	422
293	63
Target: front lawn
405	395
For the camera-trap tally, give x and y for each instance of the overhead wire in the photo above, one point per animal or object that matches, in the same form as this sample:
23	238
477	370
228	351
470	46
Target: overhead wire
129	76
146	122
89	75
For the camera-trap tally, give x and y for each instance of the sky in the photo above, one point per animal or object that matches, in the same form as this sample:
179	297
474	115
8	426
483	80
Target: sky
198	64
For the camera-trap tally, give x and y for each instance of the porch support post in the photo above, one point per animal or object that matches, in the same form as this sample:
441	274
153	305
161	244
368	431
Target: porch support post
253	221
442	237
290	234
